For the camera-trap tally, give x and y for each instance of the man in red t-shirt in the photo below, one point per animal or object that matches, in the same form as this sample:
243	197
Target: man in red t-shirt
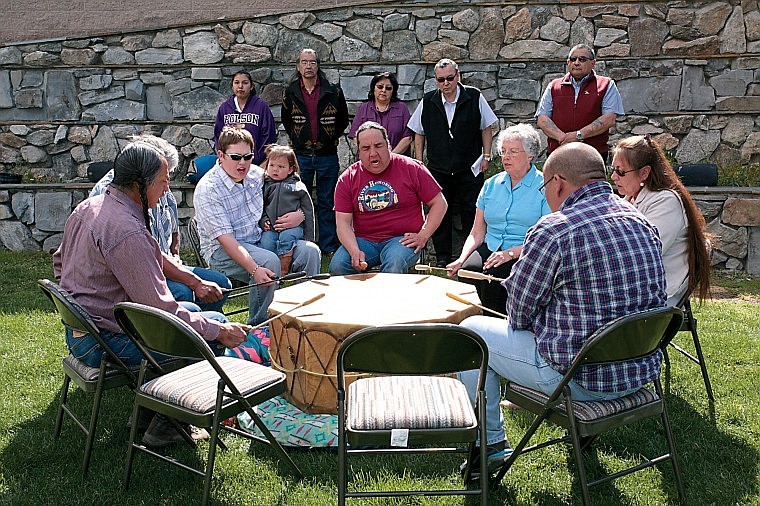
378	207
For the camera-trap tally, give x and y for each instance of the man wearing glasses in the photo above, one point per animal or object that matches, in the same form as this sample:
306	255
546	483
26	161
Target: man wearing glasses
581	106
455	119
315	114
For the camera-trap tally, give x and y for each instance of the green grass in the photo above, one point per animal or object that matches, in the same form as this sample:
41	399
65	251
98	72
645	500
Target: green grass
719	448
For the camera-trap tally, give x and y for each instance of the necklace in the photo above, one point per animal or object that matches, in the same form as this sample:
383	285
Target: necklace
383	109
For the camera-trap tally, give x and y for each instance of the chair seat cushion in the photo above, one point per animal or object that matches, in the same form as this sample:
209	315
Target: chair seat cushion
86	372
194	387
594	410
408	402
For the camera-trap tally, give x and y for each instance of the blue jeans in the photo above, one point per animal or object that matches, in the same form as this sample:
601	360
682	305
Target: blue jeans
281	242
183	293
512	354
87	350
306	257
390	255
326	170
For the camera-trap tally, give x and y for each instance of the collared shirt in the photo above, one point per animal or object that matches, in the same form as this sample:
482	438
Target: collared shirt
612	102
487	116
394	120
108	256
164	220
311	101
595	259
510	212
223	206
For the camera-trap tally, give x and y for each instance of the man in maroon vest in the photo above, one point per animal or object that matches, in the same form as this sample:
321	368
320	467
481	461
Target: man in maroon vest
581	106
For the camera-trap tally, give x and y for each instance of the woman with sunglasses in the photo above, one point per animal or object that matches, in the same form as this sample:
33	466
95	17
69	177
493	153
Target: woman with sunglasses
246	109
384	107
644	176
508	205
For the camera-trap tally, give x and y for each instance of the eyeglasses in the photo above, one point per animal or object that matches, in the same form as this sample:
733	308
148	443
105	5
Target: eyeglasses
621	172
583	59
238	157
555	176
447	78
512	152
387	87
308	63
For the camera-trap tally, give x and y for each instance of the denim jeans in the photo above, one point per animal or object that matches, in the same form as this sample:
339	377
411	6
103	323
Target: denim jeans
183	293
281	242
325	168
390	255
513	355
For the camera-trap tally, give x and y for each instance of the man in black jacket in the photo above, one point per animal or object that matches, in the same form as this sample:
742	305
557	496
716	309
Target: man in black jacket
314	114
456	121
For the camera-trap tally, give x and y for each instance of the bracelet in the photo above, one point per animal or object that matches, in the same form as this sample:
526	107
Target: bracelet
487	157
254	270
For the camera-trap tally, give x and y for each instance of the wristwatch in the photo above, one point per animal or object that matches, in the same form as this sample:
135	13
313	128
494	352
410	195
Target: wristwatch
487	157
579	135
510	253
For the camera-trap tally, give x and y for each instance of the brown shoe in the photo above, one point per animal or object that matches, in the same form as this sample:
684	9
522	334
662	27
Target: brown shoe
161	432
285	261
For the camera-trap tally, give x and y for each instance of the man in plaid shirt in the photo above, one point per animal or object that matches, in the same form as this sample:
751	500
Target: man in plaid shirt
594	259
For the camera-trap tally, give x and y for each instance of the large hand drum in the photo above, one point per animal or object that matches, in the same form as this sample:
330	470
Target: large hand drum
304	343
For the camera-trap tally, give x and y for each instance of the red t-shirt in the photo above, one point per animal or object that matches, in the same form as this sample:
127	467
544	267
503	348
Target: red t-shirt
389	204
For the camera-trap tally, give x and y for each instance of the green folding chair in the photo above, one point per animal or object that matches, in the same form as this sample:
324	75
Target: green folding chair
406	406
626	338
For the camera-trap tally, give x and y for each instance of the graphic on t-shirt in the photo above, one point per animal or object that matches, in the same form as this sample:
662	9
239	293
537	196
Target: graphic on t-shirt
376	196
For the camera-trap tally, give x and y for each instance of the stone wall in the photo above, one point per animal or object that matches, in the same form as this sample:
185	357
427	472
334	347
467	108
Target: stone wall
32	218
688	71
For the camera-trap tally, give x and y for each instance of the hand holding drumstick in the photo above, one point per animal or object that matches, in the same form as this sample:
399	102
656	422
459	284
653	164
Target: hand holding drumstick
470	303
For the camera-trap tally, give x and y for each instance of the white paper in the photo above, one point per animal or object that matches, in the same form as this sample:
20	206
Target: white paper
400	437
476	166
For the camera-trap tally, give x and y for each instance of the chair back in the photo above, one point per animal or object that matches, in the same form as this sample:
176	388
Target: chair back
76	318
195	242
408	349
631	336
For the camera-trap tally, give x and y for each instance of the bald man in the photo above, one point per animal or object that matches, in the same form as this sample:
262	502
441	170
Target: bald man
592	260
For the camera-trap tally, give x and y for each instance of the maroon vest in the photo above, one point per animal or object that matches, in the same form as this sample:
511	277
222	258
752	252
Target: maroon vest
570	115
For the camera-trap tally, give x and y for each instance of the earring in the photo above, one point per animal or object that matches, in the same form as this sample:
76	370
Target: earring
641	184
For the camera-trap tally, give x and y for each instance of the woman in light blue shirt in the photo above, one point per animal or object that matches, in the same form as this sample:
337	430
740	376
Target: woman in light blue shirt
508	205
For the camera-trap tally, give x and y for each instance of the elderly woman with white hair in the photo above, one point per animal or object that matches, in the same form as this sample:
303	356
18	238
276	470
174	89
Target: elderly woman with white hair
508	205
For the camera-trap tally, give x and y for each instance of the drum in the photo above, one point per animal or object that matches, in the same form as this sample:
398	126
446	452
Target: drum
304	343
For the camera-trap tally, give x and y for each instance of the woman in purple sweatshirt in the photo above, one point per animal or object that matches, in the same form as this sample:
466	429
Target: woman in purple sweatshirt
246	109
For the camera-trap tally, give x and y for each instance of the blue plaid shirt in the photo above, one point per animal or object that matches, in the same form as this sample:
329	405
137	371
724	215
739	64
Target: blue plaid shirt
592	261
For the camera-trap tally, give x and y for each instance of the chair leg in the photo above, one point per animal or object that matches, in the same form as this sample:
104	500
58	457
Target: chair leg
94	418
484	477
577	451
212	446
671	443
272	441
341	450
131	447
702	364
64	398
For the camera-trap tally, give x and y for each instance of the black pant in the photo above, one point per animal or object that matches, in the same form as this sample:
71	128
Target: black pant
461	188
492	294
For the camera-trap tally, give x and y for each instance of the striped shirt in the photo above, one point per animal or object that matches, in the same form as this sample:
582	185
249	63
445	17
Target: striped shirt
223	206
592	261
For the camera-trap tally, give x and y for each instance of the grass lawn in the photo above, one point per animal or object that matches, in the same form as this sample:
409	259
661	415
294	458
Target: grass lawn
718	446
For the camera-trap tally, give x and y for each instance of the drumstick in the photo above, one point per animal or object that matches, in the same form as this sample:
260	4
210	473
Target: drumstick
465	301
428	268
302	304
287	277
477	275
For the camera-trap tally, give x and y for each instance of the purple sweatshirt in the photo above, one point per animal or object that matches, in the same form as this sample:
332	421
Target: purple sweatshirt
257	118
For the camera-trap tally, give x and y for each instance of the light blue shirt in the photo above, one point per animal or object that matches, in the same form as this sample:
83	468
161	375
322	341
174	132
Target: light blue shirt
612	102
487	116
510	212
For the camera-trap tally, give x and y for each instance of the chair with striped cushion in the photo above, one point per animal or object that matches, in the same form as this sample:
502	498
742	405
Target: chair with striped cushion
204	394
112	372
396	394
626	338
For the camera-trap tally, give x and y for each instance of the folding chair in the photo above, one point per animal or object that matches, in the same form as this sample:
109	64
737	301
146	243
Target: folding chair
195	242
112	373
690	325
626	338
204	393
402	407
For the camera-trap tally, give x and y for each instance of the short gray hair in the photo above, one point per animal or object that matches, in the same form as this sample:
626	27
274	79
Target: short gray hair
163	146
524	133
446	62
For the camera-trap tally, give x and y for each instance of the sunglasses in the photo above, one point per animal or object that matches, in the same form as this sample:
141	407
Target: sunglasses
583	59
447	78
621	172
387	87
238	157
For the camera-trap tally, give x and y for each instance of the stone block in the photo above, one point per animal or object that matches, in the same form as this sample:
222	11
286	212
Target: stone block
15	236
367	30
40	138
167	38
556	29
646	36
117	56
61	101
426	30
159	56
467	20
245	53
80	135
96	82
396	21
654	94
51	210
104	147
115	110
52	242
731	241
695	94
10	55
19	129
697	146
134	90
738	104
22	204
202	48
401	46
206	74
741	212
709	20
76	57
200	103
485	41
753	251
158	104
733	38
177	135
355	88
519	89
33	154
11	140
732	83
327	31
349	49
708	208
5	211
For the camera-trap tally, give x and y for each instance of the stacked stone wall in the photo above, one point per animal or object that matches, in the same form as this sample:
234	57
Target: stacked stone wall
688	71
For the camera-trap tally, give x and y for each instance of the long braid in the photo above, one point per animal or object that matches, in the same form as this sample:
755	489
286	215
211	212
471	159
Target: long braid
138	163
144	199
